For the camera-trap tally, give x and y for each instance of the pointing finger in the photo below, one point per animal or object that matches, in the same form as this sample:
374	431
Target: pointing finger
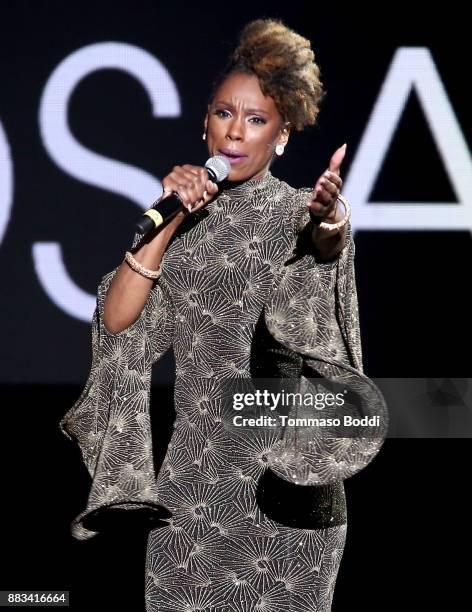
337	158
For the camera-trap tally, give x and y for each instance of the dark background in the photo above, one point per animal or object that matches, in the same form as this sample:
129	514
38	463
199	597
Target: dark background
407	510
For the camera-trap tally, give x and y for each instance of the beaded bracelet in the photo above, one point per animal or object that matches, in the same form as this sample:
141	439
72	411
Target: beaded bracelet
329	227
140	269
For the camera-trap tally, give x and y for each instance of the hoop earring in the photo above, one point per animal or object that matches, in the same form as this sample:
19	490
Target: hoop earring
279	149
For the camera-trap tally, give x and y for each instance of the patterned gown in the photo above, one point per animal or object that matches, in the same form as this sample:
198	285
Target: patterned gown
241	295
220	552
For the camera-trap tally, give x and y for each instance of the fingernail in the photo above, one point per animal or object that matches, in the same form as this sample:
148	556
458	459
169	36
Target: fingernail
345	145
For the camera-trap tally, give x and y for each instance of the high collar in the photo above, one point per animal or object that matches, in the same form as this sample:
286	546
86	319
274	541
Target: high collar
248	187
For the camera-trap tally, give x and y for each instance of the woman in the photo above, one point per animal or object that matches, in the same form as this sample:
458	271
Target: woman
242	283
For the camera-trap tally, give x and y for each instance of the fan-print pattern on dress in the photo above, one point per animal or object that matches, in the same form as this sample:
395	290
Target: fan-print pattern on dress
221	273
219	551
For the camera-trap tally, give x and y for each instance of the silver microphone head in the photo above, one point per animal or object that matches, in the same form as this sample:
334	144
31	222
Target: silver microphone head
219	166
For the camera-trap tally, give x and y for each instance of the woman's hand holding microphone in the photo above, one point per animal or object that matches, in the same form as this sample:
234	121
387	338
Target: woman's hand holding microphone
194	187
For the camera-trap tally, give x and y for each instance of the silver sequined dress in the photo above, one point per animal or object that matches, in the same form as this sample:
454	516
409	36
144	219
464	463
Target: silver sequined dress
235	264
219	551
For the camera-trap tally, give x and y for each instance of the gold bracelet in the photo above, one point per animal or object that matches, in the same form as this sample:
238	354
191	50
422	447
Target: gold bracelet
140	269
329	227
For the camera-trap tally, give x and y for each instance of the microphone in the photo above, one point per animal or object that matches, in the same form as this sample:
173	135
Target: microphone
218	168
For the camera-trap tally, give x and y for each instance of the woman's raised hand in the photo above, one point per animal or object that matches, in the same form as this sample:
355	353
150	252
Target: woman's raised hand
192	185
326	190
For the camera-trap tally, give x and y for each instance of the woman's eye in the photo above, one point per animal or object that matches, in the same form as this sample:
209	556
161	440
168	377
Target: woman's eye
258	121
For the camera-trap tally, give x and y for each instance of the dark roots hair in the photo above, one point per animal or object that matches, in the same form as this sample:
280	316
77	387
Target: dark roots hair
283	61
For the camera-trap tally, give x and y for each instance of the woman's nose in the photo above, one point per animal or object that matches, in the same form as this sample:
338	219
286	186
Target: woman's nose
235	130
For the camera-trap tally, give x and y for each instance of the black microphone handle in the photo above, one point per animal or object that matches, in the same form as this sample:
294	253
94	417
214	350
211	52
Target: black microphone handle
162	210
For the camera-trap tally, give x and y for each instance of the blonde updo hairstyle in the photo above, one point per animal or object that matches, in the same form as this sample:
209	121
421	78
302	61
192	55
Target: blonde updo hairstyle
283	61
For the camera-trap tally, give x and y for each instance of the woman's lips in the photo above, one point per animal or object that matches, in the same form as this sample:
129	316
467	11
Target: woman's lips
233	159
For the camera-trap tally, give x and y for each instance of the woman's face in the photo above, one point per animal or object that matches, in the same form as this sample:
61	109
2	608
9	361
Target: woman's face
242	120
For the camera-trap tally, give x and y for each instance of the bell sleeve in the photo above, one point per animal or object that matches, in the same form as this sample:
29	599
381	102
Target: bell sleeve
110	422
313	310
